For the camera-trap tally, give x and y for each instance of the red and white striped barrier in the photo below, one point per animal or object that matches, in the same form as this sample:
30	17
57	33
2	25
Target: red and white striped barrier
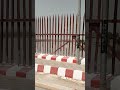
58	58
60	71
93	81
17	71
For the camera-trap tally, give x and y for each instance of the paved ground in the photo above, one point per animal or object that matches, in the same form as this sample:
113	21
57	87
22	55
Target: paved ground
53	82
38	88
14	83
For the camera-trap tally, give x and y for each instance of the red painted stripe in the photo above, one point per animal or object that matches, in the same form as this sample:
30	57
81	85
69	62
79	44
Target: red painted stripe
95	82
69	73
22	72
64	59
40	68
74	60
3	69
53	57
83	76
44	56
54	70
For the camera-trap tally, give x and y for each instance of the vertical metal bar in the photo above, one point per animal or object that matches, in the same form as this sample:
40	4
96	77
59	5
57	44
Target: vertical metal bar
45	34
72	33
76	36
7	17
52	33
64	52
104	44
47	37
18	31
70	52
12	34
90	36
55	33
114	37
97	36
40	35
30	34
82	39
24	33
35	33
58	37
61	23
1	33
67	36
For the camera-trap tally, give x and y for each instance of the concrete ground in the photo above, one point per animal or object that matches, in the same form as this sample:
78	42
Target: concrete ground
14	83
53	82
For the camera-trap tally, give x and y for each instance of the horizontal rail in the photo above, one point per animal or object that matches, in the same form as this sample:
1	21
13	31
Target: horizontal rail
18	20
100	20
55	40
62	34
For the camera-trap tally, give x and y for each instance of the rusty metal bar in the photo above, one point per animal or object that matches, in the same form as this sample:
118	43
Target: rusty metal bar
18	31
30	34
47	35
114	37
1	32
70	37
7	16
58	34
55	32
12	34
90	34
50	33
40	36
24	33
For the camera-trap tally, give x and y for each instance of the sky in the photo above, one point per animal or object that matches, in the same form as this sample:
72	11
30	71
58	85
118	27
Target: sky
55	7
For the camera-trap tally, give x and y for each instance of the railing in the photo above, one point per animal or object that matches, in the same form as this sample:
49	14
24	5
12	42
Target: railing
94	21
17	32
57	34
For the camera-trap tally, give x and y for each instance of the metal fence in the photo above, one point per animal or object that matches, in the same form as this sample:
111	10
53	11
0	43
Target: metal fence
17	32
57	35
97	16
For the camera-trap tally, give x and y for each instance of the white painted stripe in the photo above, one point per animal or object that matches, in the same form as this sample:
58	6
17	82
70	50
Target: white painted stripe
31	74
12	71
36	67
47	69
49	57
77	74
70	59
61	71
83	61
40	56
59	58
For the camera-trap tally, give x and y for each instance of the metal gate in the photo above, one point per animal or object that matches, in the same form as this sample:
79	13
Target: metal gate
17	32
95	18
58	35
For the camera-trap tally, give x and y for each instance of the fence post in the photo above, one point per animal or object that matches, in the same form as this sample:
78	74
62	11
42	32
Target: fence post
78	49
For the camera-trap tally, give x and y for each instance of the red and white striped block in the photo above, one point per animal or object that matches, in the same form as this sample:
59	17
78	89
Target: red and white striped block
93	81
56	58
60	71
17	71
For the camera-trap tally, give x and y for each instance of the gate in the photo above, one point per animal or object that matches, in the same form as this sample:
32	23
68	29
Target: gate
17	32
95	18
58	35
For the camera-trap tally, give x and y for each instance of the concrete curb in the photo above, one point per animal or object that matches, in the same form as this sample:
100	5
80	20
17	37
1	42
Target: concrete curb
60	71
17	71
93	81
58	58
